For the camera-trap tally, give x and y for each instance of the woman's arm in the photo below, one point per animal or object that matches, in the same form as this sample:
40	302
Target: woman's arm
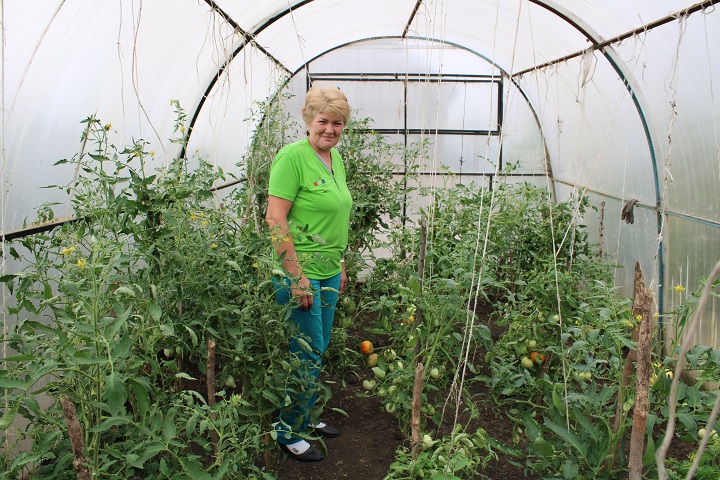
277	212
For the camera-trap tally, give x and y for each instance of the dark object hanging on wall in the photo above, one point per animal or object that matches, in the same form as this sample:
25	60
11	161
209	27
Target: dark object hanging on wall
627	211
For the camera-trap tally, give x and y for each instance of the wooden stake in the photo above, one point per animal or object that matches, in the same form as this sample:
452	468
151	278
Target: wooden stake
416	404
628	367
642	384
267	456
77	441
214	440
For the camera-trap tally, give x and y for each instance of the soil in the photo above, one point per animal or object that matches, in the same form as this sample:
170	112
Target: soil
371	436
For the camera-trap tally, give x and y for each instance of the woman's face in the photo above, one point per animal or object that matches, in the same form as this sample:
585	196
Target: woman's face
325	130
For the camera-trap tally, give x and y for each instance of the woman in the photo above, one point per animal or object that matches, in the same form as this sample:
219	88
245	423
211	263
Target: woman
308	215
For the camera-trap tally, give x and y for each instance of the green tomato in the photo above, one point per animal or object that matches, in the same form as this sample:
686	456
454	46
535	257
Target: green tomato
368	384
527	363
434	372
348	305
532	344
373	360
230	381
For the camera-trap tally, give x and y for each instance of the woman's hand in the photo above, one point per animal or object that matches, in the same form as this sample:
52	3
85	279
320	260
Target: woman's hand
343	278
302	292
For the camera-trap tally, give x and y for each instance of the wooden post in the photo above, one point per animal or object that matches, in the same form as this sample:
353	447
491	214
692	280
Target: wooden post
267	457
642	383
628	367
210	377
416	404
77	441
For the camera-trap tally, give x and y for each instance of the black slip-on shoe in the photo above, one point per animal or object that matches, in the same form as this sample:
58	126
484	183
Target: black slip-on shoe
326	432
312	454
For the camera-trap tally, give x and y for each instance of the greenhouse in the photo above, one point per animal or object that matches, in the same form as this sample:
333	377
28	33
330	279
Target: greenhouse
527	280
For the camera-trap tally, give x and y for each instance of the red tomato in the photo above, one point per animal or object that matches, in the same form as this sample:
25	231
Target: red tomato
537	357
366	347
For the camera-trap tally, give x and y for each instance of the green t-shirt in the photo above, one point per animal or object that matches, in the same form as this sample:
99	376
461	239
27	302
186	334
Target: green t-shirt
321	202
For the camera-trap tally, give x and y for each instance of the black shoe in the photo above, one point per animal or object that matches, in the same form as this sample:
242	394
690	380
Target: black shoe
327	432
312	454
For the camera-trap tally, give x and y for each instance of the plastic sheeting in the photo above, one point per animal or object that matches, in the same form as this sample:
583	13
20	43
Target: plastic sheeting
615	99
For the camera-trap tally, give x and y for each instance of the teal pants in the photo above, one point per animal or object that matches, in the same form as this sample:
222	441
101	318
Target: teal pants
314	327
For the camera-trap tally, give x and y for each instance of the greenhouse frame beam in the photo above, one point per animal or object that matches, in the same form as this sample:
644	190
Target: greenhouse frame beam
598	45
412	17
248	40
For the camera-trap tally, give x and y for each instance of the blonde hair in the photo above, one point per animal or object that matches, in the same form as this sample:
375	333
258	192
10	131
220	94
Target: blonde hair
324	99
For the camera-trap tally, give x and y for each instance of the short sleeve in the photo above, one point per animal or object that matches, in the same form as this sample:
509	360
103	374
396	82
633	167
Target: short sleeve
284	180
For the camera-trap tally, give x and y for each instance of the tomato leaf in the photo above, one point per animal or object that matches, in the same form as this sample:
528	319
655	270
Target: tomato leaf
115	393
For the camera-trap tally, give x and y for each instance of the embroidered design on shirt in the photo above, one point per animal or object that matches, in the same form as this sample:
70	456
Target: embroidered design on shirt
319	181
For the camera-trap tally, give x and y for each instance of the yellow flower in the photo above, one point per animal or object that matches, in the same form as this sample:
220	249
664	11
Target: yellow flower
244	285
152	152
638	317
81	263
656	314
68	250
193	216
255	265
657	364
669	374
629	324
679	288
214	245
108	126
